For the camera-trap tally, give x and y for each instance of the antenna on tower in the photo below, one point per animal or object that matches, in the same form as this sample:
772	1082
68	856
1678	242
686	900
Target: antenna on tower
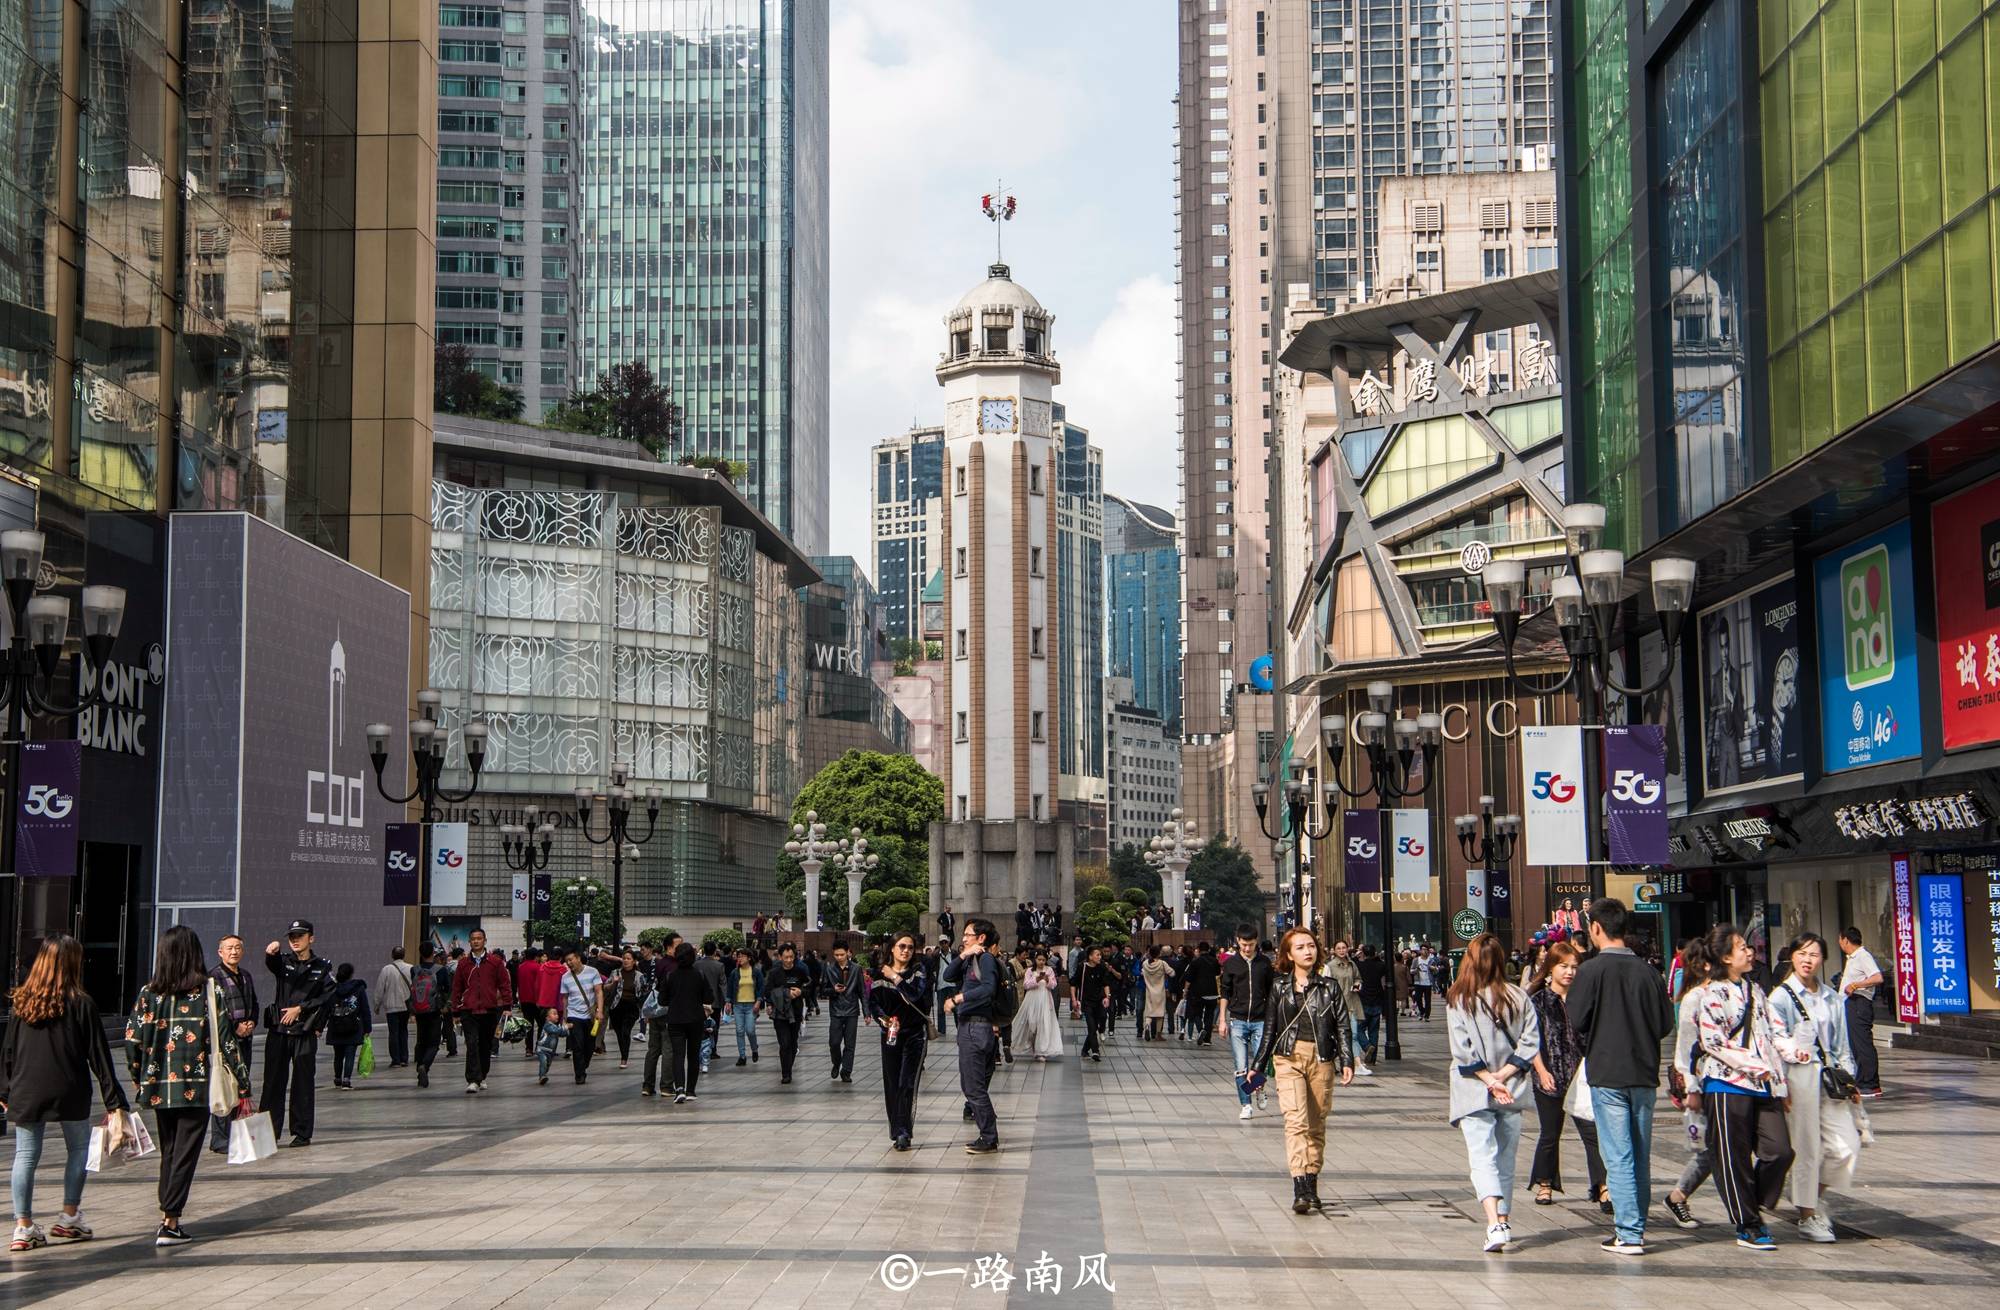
998	207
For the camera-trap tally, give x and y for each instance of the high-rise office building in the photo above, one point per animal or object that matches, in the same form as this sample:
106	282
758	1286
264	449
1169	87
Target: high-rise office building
506	237
909	478
1080	631
1291	114
702	228
1142	765
1142	606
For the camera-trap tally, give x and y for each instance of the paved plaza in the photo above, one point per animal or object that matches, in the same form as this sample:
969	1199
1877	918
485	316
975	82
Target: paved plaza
772	1196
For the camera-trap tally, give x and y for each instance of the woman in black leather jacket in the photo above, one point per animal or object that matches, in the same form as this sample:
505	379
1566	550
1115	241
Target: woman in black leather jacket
1306	1039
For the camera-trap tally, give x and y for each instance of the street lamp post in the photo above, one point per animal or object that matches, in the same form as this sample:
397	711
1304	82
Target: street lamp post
585	889
1171	852
1392	774
1488	842
27	676
1298	810
429	739
618	835
811	847
526	847
856	865
1586	601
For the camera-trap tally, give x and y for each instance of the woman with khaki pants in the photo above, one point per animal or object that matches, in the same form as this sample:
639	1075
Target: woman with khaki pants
1308	1041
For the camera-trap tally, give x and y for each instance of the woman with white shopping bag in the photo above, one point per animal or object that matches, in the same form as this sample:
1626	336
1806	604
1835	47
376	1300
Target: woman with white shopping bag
1561	1086
53	1048
185	1065
1826	1140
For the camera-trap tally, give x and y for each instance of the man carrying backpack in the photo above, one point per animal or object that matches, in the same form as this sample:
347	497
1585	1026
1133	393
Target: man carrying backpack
428	990
392	998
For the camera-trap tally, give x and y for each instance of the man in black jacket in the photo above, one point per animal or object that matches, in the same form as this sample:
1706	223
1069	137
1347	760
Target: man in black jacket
237	1006
843	988
788	985
1246	990
976	975
305	988
1093	987
1618	1005
1202	988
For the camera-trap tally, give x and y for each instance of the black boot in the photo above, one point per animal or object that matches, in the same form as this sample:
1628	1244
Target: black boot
1301	1202
1312	1189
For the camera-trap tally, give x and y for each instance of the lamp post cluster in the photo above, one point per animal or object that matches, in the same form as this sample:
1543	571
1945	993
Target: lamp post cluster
812	847
28	668
1170	853
1487	842
429	739
1585	602
1297	824
526	847
624	844
585	889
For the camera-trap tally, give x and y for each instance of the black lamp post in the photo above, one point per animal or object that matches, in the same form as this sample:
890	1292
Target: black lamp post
526	847
1394	750
1586	601
429	739
1298	815
1488	843
28	665
618	810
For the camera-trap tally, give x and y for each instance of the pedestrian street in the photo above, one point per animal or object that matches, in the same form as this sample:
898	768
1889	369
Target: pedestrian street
773	1196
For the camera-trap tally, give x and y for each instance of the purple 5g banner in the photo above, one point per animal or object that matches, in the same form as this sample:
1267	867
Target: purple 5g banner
1635	800
1364	850
45	829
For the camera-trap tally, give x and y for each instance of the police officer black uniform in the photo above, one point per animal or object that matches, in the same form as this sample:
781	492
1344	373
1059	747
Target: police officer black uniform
294	1020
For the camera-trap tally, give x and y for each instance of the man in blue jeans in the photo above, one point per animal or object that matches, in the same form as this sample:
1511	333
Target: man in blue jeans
1246	988
976	975
1618	1005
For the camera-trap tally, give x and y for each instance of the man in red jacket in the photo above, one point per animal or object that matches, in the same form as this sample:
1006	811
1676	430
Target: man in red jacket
482	993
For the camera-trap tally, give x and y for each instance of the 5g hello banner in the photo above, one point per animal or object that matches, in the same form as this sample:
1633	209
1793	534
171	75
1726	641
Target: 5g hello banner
1635	794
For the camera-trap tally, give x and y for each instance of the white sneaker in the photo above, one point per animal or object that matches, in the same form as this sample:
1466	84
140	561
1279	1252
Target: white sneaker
471	1088
71	1228
1364	1071
1246	1113
27	1237
1817	1229
1497	1237
1263	1101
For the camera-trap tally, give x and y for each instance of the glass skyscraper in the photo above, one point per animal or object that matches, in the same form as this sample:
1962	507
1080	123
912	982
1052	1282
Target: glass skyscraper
1142	605
702	228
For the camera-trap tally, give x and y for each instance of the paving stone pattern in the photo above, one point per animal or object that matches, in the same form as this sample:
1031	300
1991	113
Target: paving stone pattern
763	1195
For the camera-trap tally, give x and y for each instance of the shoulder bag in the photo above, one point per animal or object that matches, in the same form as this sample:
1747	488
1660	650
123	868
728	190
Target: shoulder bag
223	1093
1834	1082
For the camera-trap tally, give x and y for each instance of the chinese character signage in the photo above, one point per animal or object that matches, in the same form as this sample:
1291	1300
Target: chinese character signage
1750	730
1979	872
46	824
1364	850
403	851
1635	801
1868	653
1552	765
1410	830
1941	947
1909	1007
1965	533
1955	812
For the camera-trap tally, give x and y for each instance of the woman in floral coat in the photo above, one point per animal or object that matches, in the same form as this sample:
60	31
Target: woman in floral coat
169	1041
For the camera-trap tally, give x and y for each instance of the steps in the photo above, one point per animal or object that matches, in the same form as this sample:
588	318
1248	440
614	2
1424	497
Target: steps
1976	1035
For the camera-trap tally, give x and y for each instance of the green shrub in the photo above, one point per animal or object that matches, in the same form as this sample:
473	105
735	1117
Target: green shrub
726	940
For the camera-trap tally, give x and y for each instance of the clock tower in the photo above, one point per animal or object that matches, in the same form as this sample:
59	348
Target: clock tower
1002	843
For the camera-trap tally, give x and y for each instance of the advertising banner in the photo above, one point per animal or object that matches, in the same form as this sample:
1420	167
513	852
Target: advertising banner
1868	653
1750	732
1980	871
448	864
1552	764
521	897
1364	850
543	890
47	824
1965	545
1635	801
1909	1000
1499	894
1941	945
402	851
1475	890
1410	832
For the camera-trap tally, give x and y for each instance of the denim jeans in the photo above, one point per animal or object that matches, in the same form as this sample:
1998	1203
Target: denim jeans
1367	1027
745	1018
1625	1140
28	1154
1492	1139
1245	1036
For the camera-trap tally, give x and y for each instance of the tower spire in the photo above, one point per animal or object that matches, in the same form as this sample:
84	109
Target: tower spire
998	207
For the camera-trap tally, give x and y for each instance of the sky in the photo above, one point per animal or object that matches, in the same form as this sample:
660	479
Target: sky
1071	104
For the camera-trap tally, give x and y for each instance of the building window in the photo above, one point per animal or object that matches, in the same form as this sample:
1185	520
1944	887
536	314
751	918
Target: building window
964	810
1034	561
1036	808
1035	642
1032	340
961	343
1035	725
1034	479
1493	263
960	646
958	561
958	479
964	733
996	341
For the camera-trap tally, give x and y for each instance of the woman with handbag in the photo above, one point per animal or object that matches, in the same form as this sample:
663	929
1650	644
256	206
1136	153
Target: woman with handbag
1307	1039
1557	1064
1494	1036
1743	1082
628	988
899	1001
184	1065
53	1048
1819	1113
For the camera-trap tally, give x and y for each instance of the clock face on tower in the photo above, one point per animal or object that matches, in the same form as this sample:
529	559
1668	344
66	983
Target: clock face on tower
996	415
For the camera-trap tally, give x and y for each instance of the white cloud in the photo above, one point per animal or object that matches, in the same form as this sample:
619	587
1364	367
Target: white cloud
1120	384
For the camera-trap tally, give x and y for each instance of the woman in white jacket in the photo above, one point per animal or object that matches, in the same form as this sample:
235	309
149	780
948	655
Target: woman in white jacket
1494	1036
1826	1141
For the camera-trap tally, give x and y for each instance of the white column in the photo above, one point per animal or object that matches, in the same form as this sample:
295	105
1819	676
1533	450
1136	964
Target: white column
854	877
812	868
1175	891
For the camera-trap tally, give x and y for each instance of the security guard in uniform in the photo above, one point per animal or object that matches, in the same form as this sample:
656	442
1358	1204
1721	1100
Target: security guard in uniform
294	1019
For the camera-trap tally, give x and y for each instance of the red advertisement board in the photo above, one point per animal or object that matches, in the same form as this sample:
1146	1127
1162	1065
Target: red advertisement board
1965	538
1909	1008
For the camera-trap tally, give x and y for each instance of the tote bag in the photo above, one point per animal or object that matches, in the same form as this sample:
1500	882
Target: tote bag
1577	1102
251	1139
223	1093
